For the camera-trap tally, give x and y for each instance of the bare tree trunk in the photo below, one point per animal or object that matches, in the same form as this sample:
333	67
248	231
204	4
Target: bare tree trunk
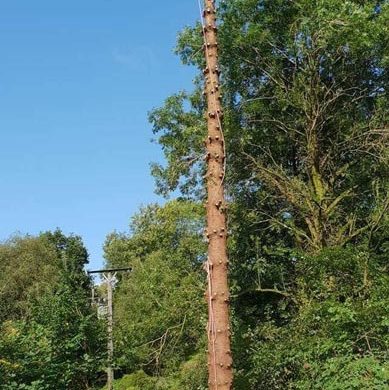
219	349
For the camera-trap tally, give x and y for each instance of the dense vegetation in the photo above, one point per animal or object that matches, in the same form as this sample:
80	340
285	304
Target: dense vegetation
305	90
50	337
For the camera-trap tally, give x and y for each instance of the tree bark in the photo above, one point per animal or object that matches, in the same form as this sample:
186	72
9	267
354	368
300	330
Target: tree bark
219	349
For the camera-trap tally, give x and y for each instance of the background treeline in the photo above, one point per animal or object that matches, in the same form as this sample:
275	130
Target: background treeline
50	337
305	90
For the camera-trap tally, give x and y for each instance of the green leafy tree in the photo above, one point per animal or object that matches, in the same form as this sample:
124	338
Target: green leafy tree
55	339
160	314
28	268
305	87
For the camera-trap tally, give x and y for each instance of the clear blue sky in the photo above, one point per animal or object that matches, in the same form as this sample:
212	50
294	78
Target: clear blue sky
77	78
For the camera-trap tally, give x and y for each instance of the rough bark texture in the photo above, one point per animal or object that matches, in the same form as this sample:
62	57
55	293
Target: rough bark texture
219	350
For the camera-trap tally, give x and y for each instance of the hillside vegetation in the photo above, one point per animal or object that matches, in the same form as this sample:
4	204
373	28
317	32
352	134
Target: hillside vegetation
306	114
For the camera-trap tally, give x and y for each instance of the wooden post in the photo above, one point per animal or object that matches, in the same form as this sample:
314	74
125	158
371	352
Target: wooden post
219	349
110	375
109	275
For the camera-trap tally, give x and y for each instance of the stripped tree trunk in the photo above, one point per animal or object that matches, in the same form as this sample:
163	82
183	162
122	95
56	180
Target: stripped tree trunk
219	350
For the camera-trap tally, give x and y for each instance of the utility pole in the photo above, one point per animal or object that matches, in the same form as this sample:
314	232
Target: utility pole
219	345
110	276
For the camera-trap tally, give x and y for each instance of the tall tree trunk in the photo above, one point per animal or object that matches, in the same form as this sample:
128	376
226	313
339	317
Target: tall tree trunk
219	349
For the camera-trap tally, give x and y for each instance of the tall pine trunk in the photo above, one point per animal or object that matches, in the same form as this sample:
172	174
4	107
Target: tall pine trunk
219	349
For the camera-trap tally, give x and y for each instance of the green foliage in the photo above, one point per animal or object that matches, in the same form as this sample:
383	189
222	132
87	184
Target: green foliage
191	375
28	268
182	144
305	93
23	351
55	342
337	339
73	256
164	291
346	373
136	381
305	85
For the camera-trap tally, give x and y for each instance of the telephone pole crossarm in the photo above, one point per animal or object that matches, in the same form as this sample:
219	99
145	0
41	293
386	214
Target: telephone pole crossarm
104	271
